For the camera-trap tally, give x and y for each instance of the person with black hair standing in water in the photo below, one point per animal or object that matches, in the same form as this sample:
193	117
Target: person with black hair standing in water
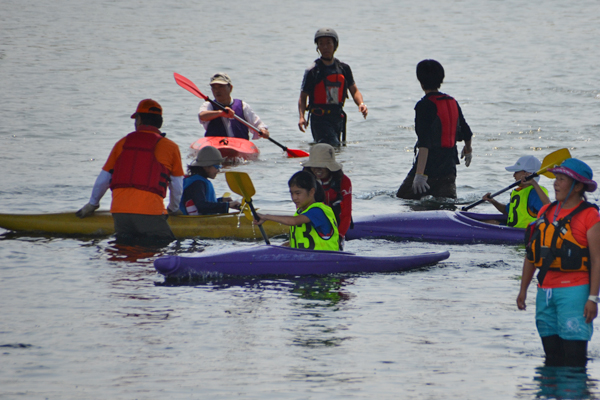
325	85
564	243
439	124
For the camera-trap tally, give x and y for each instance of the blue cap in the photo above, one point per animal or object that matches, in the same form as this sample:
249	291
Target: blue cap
577	170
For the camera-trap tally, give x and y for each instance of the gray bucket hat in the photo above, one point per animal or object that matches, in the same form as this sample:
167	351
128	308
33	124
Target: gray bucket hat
322	155
207	156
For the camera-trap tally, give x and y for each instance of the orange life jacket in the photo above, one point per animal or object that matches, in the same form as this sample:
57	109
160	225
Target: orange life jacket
552	246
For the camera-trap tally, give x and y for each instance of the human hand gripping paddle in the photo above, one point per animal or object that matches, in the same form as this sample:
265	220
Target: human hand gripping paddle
241	184
192	88
550	161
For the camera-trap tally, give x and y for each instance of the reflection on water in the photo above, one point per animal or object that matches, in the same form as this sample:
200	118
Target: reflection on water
561	383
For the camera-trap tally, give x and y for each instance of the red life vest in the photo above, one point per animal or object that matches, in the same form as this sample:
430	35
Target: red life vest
137	166
447	112
330	89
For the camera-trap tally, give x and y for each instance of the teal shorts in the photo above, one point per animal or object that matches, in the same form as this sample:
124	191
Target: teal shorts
559	312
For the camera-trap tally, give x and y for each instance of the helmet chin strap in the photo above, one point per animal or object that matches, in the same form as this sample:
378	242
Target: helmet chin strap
560	204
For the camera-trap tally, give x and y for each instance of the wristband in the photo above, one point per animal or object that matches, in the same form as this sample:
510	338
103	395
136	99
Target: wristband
593	298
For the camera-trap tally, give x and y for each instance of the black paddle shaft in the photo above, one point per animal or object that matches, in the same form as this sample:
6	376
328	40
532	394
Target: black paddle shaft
249	125
466	208
255	215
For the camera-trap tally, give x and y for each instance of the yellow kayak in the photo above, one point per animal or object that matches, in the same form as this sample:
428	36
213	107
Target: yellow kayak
233	225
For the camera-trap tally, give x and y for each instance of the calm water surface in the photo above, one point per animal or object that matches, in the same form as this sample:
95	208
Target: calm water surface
87	318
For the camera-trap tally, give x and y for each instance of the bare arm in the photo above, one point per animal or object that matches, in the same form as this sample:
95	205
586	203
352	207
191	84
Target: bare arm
422	160
499	206
590	311
283	219
526	277
358	100
543	196
302	122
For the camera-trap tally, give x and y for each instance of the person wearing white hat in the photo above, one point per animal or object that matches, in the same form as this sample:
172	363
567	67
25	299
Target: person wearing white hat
527	199
223	123
336	185
199	196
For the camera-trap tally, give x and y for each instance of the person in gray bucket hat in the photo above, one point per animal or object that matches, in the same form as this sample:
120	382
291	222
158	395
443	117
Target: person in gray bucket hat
199	196
336	185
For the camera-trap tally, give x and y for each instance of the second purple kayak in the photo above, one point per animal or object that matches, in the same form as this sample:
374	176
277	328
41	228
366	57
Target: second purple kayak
437	226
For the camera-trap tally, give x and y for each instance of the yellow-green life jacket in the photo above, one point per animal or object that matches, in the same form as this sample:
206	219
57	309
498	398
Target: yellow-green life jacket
305	236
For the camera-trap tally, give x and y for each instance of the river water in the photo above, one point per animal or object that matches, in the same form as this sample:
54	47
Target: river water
86	318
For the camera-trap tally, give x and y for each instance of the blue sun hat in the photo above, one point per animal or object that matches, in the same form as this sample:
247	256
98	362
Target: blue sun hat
579	171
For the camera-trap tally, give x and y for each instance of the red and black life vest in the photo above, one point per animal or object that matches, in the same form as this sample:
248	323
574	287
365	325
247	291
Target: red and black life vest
447	112
330	90
137	166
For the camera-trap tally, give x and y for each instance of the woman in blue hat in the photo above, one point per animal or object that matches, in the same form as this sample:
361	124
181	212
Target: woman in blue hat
564	243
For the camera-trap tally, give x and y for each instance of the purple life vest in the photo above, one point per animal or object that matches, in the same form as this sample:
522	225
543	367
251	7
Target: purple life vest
217	128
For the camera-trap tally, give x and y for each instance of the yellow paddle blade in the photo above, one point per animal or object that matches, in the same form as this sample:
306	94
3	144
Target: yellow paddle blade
552	160
240	183
245	208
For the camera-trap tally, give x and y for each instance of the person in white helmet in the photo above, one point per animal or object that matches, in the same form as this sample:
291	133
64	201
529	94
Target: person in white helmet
325	86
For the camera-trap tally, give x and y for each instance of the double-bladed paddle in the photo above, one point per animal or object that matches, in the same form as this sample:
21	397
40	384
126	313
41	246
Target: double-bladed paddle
550	161
241	184
191	87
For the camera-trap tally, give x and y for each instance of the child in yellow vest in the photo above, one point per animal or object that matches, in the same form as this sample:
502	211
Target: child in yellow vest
527	199
313	226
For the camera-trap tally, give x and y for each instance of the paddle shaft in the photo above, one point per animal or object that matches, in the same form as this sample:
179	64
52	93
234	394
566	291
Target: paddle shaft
190	87
255	215
243	121
535	174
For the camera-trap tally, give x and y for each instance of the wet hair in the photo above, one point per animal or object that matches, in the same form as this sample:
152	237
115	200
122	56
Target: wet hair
196	170
154	120
431	74
307	181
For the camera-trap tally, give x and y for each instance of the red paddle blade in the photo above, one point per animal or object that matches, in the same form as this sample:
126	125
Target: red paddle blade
188	85
295	153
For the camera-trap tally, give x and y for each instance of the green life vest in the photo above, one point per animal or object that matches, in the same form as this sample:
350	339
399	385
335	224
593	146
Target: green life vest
519	215
305	236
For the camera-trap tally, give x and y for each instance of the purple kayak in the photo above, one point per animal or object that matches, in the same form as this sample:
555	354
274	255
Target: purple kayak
436	226
277	260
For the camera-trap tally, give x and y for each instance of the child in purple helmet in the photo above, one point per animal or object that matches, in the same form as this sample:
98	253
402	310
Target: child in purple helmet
565	245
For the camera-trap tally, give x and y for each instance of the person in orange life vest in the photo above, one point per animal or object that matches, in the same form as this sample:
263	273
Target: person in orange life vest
439	124
199	196
222	123
564	243
522	211
337	187
325	85
139	178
